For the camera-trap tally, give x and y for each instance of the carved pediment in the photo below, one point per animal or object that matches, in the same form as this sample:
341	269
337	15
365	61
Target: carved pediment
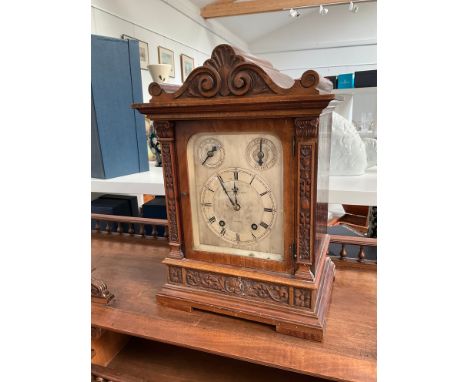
230	72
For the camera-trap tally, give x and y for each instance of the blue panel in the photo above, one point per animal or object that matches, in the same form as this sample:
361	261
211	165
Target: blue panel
116	85
346	81
138	98
97	168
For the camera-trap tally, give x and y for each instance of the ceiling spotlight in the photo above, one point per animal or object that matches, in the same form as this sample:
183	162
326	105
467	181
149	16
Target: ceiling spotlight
352	8
323	10
293	13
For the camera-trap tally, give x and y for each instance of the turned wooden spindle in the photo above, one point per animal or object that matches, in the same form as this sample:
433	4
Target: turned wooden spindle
131	230
119	228
343	252
97	226
108	227
142	230
362	254
154	231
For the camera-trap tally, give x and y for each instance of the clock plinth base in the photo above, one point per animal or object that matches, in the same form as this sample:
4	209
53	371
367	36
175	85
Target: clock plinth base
295	307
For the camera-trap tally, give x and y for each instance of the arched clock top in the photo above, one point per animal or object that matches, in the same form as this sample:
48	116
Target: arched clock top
233	73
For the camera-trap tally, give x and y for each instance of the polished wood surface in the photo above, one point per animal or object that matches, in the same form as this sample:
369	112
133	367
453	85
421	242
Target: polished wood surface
132	269
156	361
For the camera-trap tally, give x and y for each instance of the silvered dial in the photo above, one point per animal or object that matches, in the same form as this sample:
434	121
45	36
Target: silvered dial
238	206
261	153
210	153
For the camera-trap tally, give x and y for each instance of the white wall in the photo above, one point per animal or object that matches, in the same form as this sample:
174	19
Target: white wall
173	24
340	42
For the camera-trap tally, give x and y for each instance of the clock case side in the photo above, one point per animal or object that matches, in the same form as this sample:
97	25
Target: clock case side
232	87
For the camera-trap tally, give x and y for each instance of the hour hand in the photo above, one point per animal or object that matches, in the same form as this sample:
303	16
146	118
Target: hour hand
235	190
260	154
210	153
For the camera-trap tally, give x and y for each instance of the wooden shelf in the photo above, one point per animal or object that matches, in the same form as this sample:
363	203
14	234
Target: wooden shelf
355	91
144	360
132	270
355	190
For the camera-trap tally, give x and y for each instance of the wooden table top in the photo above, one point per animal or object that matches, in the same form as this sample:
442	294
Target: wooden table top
132	270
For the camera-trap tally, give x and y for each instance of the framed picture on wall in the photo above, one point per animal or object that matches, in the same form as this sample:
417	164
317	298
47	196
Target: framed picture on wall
166	56
144	51
186	64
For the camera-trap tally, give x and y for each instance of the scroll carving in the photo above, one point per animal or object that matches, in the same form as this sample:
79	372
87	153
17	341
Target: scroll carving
228	73
238	286
99	292
175	275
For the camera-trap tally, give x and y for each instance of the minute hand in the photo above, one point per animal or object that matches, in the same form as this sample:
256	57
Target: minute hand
225	191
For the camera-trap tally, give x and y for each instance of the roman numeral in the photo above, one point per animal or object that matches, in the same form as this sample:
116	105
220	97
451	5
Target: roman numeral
209	189
207	204
253	177
223	231
268	209
212	219
264	193
264	225
236	175
254	237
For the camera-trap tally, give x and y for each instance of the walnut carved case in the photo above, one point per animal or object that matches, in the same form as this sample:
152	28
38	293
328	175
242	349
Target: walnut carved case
246	153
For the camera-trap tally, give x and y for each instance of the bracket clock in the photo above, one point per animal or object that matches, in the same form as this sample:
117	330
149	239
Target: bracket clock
245	153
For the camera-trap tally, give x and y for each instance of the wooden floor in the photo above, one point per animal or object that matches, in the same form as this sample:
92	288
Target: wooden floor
132	269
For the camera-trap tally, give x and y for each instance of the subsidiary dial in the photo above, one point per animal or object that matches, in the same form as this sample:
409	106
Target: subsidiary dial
261	153
211	153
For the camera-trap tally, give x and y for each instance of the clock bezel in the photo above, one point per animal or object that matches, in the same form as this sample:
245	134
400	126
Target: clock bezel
284	131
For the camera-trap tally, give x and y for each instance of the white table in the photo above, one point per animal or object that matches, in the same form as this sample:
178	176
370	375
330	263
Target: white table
355	190
149	182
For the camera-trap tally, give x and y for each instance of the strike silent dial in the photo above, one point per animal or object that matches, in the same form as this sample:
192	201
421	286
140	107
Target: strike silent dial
210	153
261	153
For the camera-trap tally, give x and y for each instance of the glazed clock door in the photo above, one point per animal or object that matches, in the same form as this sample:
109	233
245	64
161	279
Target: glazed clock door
236	194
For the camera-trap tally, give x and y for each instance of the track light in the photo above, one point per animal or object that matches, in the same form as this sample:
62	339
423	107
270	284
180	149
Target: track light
352	8
293	13
322	10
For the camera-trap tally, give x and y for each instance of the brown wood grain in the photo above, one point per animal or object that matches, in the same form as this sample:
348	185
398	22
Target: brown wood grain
129	219
107	346
155	361
132	269
353	240
225	8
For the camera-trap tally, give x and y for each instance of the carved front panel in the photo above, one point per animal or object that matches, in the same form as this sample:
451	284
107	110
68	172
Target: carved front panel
302	297
306	153
306	135
175	275
238	286
165	133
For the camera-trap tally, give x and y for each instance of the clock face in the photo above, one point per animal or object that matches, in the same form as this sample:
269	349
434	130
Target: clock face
236	194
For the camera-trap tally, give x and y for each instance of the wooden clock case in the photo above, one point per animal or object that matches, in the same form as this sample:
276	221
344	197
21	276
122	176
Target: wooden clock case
235	92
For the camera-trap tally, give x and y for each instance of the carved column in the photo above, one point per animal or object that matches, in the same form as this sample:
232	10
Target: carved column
306	130
165	133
